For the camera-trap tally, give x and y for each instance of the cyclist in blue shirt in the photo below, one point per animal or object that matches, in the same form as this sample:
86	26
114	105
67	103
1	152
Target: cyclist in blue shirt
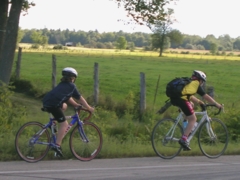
57	99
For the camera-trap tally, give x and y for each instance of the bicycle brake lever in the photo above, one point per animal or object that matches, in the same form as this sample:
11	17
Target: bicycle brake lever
221	109
203	107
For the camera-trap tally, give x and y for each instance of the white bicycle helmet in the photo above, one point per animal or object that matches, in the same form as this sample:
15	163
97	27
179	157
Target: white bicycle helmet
199	74
70	72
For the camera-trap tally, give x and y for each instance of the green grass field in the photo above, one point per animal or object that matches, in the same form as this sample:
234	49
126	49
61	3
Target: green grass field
119	74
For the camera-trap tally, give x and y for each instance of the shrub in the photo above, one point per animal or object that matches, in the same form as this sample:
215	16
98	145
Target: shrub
147	48
35	46
230	54
10	113
233	124
185	52
59	46
24	86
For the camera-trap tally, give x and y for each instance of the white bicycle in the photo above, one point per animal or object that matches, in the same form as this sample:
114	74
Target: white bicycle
212	135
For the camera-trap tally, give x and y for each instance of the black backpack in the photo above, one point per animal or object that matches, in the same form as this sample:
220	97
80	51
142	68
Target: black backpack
174	88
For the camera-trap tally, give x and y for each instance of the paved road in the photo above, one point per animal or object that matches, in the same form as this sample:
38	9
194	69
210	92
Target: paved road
179	168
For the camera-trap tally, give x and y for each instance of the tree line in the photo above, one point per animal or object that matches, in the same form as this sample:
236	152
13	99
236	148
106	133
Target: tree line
109	40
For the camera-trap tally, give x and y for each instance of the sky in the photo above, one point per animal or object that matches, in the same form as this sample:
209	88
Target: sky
194	17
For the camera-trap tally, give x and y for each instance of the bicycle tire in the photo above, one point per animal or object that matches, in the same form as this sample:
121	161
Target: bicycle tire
86	151
213	147
166	148
28	150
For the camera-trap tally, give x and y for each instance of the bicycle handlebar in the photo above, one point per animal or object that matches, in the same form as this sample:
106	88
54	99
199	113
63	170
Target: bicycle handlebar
80	108
204	107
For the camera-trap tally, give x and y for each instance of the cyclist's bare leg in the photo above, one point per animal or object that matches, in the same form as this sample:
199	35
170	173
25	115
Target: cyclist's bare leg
191	121
185	117
62	128
64	125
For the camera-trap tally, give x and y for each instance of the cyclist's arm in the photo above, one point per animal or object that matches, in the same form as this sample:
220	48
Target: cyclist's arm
211	100
85	104
196	100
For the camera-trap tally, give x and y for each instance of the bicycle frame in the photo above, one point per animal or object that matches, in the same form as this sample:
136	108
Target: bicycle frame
205	117
75	119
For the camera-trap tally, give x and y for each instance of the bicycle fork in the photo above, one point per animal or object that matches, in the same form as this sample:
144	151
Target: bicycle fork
82	133
209	129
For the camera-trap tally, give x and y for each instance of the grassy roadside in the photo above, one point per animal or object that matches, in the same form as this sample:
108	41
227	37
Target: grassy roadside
119	76
112	147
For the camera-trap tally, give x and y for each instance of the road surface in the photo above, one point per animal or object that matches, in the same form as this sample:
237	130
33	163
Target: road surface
179	168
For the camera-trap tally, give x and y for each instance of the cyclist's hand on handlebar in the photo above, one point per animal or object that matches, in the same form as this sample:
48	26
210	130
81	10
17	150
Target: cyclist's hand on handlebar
201	102
91	109
219	106
88	108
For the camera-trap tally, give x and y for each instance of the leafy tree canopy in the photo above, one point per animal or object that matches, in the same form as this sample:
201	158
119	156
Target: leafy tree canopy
145	11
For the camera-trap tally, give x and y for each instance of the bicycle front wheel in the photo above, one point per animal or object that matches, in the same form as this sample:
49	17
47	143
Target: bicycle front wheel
31	142
86	149
165	136
213	138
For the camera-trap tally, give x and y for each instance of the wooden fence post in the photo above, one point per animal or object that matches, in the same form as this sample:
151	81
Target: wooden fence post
142	92
19	59
156	91
96	84
54	71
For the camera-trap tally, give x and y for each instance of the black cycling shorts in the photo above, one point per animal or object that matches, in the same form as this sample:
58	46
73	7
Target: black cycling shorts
184	105
57	114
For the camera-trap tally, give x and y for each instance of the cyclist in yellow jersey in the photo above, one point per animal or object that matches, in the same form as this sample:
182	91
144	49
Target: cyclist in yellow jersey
184	103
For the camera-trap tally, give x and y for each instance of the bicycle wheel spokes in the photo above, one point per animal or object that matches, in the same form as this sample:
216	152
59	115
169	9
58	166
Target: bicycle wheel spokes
164	140
213	138
29	143
86	150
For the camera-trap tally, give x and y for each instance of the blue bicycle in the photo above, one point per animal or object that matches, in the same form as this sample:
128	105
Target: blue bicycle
33	140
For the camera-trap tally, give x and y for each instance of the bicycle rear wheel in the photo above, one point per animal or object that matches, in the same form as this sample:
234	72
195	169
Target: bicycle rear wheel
29	143
82	150
213	138
165	138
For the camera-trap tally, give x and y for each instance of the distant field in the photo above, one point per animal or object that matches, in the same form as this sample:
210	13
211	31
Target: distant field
119	71
140	51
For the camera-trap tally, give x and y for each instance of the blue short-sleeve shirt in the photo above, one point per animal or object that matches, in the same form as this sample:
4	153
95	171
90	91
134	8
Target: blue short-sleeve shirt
60	94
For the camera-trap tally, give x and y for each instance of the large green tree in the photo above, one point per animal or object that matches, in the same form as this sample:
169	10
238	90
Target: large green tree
121	43
3	19
213	48
162	32
9	34
39	39
236	44
226	42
